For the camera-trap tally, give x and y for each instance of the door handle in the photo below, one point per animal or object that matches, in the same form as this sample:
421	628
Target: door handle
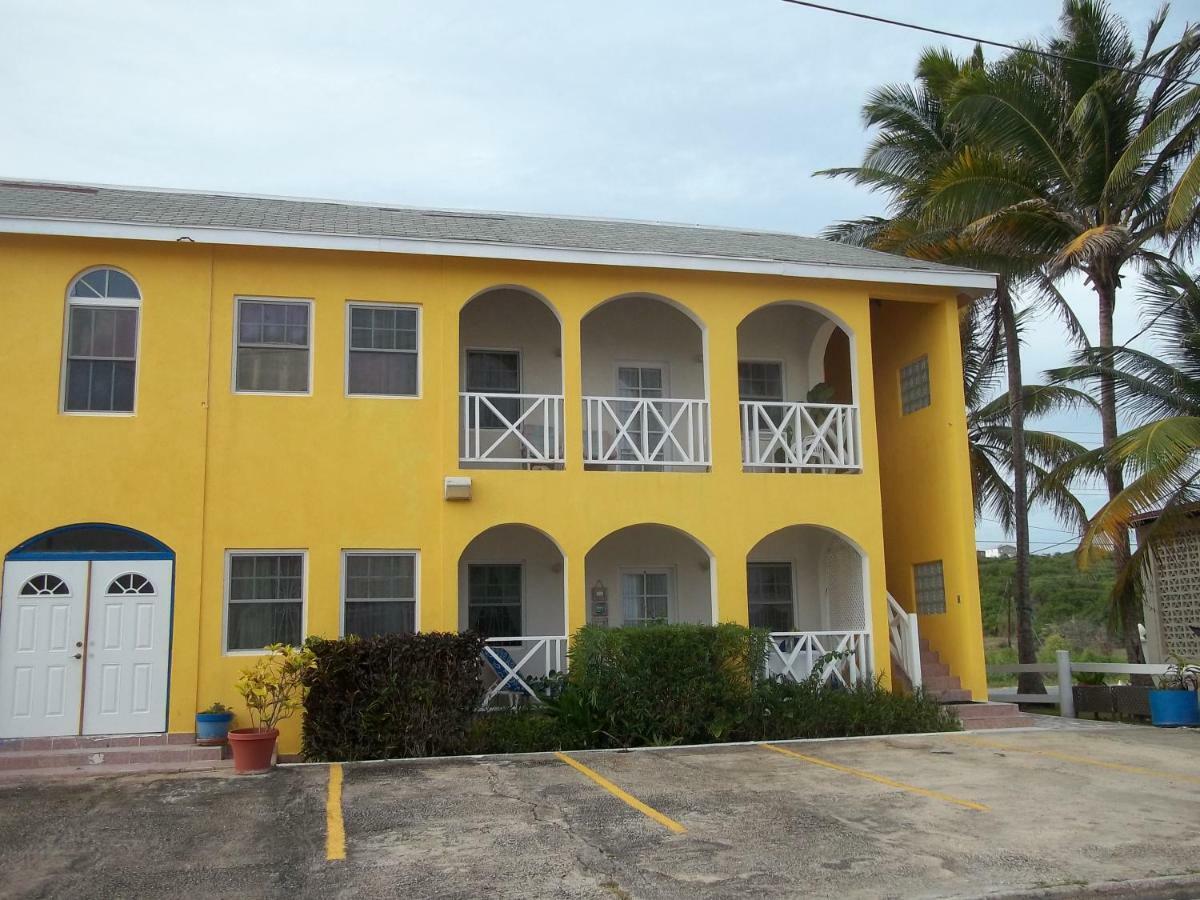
78	656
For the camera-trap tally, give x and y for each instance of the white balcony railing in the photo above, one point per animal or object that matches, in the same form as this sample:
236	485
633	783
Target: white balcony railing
512	428
626	431
793	654
800	436
516	660
903	641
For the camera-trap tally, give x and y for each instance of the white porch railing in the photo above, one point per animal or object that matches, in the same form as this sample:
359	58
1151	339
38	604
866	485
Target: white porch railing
512	428
793	655
515	659
800	436
631	431
904	641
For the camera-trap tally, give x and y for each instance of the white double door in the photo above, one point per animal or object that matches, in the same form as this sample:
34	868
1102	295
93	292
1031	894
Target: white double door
84	647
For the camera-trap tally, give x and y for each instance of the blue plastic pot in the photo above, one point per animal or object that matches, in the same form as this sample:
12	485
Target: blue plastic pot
1170	709
213	728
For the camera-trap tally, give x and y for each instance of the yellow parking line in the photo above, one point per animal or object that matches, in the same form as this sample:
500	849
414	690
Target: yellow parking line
1082	760
335	828
871	776
649	811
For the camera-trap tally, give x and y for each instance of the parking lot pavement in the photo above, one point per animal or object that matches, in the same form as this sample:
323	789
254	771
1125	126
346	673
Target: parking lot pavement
958	815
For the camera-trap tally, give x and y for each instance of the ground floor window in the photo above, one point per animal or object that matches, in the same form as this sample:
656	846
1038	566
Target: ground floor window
265	600
494	599
769	587
646	596
379	593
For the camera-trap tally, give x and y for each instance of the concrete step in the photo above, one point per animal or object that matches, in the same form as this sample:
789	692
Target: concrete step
93	758
1020	720
975	716
95	741
933	665
937	684
215	766
957	696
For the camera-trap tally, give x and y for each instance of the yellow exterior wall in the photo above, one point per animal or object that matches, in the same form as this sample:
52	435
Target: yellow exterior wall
926	479
206	470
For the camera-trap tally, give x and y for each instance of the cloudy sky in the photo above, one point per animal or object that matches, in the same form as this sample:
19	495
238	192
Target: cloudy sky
706	111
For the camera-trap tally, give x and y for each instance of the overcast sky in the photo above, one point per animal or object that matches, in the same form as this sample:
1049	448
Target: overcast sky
707	111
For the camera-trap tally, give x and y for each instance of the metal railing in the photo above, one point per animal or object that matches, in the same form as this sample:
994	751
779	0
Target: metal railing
511	428
799	436
657	432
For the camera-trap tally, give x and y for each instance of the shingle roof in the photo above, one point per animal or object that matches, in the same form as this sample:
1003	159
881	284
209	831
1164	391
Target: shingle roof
195	210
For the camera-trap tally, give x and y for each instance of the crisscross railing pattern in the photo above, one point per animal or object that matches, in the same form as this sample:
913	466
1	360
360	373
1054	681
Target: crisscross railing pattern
539	656
512	428
800	436
794	654
633	431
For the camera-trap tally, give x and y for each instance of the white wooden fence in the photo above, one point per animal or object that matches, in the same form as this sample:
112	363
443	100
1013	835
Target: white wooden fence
512	428
904	641
631	431
794	654
1064	669
515	659
800	436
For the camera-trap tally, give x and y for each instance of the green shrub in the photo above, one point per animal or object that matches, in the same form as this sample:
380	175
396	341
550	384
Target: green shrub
786	710
660	684
391	696
526	729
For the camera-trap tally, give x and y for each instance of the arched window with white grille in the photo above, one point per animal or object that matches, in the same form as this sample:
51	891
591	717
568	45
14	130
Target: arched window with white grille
45	586
100	363
130	583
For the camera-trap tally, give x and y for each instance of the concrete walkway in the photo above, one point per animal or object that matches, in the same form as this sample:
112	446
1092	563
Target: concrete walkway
1047	811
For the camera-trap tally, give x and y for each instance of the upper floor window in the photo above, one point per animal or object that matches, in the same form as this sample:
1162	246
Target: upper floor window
382	357
914	385
760	380
274	346
102	337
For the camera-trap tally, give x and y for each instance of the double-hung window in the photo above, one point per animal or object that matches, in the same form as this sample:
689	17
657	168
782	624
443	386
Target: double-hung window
382	353
102	336
644	382
379	593
646	597
495	372
769	588
274	346
265	599
760	381
494	599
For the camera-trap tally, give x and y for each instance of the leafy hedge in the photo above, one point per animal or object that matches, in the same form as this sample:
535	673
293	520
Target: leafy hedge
391	696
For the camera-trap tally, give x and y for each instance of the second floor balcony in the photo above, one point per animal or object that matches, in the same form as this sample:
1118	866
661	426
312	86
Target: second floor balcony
644	378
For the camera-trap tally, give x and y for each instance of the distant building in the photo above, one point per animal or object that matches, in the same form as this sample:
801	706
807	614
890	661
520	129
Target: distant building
1004	551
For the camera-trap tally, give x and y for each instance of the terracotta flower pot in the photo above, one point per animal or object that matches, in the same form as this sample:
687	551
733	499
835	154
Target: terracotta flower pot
253	749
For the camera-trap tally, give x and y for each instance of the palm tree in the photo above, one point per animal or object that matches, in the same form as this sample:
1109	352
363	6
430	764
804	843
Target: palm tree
1161	392
915	143
1085	159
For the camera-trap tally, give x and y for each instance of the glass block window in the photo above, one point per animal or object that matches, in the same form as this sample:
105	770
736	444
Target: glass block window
769	588
931	587
646	597
273	346
380	594
382	355
495	372
494	600
761	381
102	327
266	600
914	385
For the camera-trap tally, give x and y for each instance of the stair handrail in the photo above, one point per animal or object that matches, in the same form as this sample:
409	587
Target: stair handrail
904	640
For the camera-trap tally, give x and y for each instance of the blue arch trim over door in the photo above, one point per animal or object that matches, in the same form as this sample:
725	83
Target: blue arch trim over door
91	540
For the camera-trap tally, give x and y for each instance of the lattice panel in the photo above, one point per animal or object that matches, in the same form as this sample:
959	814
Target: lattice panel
844	587
1177	584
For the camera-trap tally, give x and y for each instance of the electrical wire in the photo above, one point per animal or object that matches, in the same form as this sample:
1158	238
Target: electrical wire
978	40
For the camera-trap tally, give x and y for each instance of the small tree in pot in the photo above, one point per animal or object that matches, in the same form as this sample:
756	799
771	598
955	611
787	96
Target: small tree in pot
1174	702
273	691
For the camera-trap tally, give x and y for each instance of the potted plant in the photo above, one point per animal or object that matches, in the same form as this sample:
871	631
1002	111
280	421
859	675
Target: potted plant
1173	702
273	692
212	725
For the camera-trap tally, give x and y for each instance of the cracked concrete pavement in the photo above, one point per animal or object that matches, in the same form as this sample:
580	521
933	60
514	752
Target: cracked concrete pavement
1065	810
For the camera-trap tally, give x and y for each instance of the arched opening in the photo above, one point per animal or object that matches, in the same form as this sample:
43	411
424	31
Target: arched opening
807	585
648	574
797	387
91	538
510	371
100	358
645	386
512	590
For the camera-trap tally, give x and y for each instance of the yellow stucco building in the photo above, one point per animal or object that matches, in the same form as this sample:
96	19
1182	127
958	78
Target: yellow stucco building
233	420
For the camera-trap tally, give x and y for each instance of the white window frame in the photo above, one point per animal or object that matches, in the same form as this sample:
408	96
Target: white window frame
672	589
520	564
105	302
466	367
791	565
229	555
416	556
783	391
312	343
662	365
420	351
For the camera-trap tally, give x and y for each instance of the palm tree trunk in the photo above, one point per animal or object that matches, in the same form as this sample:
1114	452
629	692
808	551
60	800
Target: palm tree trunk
1027	682
1128	605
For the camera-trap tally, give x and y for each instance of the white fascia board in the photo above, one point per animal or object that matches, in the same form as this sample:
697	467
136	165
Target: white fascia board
965	279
